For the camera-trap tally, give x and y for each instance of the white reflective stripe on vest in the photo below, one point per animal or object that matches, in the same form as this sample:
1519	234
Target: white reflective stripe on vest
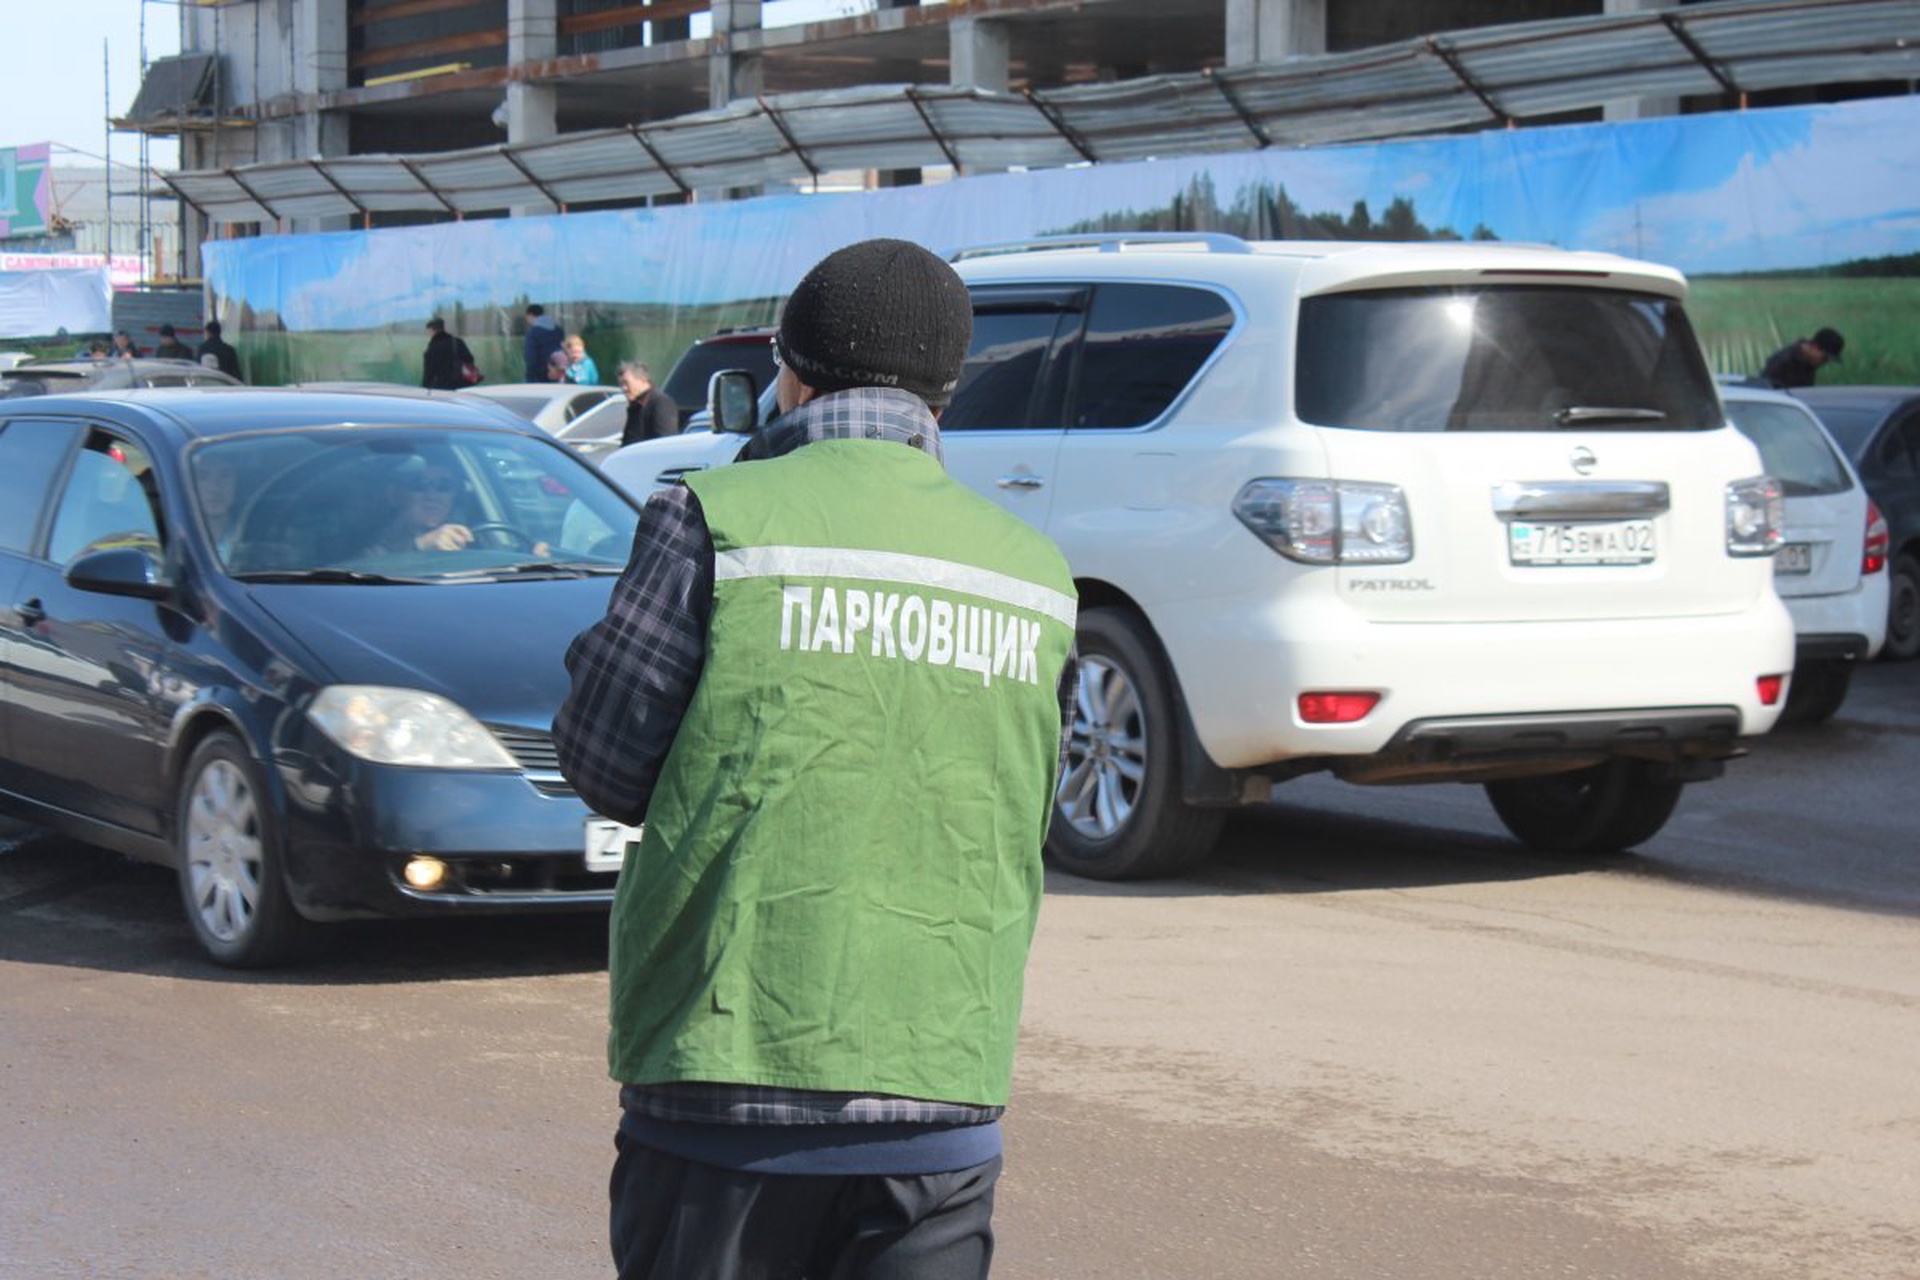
894	567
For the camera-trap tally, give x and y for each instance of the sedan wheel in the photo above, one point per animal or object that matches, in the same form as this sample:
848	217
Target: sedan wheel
230	876
1903	609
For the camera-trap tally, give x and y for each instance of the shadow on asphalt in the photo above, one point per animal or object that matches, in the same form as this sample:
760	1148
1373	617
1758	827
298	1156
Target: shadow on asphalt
63	903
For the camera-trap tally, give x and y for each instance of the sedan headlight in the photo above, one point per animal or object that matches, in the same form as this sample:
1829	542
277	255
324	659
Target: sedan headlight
405	726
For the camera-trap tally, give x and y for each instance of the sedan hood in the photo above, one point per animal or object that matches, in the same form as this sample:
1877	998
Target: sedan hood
495	648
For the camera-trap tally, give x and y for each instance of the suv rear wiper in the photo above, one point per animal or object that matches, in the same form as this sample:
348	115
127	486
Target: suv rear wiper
329	575
1584	414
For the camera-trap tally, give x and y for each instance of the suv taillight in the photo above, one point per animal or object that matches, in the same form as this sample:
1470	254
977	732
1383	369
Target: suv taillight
1328	521
1755	512
1874	558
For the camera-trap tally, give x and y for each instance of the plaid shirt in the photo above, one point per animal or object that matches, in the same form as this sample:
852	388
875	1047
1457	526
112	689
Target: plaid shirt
634	674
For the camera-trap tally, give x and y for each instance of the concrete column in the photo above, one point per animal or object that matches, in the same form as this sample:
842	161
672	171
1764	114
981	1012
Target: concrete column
731	74
532	109
1624	109
320	66
1270	30
979	53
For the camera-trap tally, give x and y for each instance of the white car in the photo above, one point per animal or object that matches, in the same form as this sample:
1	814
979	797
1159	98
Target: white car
1437	512
595	434
551	406
1832	568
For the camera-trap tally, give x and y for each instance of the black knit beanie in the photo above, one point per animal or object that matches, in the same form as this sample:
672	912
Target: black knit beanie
880	313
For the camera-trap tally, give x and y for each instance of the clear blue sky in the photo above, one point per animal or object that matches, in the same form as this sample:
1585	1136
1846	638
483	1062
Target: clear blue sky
68	64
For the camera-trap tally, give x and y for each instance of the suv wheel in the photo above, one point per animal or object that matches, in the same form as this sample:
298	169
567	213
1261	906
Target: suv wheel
1604	809
230	875
1118	813
1903	608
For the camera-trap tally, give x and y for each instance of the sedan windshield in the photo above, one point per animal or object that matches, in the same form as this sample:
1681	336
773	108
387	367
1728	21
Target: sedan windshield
1793	448
370	504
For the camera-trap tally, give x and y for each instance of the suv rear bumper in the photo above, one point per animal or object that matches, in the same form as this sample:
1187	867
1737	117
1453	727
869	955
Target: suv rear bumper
1525	692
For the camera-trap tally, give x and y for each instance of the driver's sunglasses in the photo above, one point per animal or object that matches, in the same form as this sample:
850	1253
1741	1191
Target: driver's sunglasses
434	484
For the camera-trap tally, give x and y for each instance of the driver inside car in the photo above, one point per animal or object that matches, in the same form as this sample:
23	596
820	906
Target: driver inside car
421	494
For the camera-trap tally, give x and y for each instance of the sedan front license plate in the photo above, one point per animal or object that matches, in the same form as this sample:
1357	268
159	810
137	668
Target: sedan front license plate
1611	542
607	843
1793	558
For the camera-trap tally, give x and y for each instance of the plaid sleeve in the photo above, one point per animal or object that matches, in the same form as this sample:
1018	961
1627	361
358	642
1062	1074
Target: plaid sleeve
634	671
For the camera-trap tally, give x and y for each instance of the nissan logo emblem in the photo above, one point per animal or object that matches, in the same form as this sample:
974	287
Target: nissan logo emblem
1583	461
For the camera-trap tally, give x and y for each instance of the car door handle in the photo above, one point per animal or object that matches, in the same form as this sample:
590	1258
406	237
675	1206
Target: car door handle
31	611
1024	480
674	475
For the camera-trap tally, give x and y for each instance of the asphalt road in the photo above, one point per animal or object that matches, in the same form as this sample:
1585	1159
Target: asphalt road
1372	1039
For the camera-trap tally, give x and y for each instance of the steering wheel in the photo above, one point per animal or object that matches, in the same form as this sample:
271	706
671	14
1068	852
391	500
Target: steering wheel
507	534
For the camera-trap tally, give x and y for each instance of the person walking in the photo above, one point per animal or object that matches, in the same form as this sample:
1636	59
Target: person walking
832	682
445	358
170	347
650	414
1797	363
542	340
225	358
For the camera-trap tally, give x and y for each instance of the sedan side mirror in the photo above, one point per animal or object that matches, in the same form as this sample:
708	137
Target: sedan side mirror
121	571
733	398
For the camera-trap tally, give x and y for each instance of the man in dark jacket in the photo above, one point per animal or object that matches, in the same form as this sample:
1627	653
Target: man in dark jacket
225	358
650	414
543	339
1795	364
446	353
170	347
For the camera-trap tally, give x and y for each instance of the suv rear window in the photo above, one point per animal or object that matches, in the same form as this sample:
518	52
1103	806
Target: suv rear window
1520	358
686	382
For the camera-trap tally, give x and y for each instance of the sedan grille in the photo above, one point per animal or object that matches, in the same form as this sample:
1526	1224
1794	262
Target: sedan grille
534	753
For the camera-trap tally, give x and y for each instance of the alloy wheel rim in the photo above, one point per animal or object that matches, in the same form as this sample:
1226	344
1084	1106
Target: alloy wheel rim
224	852
1106	752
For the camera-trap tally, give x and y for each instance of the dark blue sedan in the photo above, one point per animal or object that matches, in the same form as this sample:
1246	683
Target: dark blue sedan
303	647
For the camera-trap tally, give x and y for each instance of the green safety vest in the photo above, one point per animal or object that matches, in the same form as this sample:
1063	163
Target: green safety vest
840	873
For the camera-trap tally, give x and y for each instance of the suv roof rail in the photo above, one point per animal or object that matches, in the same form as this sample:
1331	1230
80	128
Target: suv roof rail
1111	242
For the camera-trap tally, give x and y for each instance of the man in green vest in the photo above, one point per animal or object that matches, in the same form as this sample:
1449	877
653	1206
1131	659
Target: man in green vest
832	683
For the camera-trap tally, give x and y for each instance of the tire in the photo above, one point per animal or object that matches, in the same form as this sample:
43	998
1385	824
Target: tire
1607	808
1903	608
1816	693
232	882
1118	812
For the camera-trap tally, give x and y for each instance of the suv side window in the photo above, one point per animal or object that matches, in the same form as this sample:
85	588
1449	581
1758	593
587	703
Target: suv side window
1012	377
1144	343
107	501
30	456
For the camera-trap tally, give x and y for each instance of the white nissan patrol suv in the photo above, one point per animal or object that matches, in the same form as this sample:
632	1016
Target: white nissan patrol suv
1436	512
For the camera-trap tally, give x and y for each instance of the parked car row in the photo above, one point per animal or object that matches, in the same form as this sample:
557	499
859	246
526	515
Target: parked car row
1399	513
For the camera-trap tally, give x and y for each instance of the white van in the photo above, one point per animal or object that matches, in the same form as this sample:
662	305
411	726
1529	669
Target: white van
1435	512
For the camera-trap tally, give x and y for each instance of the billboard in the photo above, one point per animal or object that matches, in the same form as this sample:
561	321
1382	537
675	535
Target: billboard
23	190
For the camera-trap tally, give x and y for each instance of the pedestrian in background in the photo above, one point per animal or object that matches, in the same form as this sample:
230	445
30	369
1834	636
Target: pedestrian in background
650	414
557	366
832	683
446	356
225	358
1796	364
543	339
123	348
170	347
580	367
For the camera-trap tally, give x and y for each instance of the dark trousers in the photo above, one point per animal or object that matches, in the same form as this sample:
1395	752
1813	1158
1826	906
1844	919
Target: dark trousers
673	1219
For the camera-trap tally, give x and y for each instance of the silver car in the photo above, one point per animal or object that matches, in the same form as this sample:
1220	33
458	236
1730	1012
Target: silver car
1832	569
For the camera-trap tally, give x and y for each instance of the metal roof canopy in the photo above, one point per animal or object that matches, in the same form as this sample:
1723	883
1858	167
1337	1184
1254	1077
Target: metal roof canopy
1484	76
